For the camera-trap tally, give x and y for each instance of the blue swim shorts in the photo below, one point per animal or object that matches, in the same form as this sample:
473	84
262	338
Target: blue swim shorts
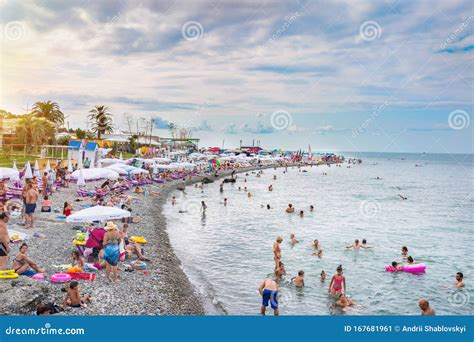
270	296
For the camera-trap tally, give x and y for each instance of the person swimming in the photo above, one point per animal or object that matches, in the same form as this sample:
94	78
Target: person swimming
301	213
402	197
343	300
311	208
268	206
225	202
338	282
293	240
404	251
459	280
270	188
322	276
299	279
290	209
364	244
356	245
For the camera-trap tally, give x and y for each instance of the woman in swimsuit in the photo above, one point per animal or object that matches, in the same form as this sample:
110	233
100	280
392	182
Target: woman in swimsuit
338	282
22	263
111	250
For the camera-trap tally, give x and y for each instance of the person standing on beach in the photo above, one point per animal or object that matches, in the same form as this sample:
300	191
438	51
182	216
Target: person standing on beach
277	252
426	310
4	241
30	206
44	181
269	291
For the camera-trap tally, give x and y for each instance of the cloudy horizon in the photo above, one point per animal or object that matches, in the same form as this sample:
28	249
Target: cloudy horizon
382	76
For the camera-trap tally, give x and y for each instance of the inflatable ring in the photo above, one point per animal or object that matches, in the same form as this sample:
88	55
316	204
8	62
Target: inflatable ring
138	239
138	265
38	276
78	242
74	270
8	274
414	268
60	278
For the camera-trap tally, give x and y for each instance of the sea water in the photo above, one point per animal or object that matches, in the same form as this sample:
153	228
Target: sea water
227	252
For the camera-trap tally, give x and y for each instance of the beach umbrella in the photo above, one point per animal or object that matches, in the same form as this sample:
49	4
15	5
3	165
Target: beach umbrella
97	213
28	173
121	157
79	160
69	165
214	162
99	163
9	173
48	166
14	166
80	178
37	172
94	174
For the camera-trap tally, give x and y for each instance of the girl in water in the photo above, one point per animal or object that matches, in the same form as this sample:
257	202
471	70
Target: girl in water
338	282
293	240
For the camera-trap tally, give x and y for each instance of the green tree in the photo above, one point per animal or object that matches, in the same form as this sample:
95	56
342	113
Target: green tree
48	110
33	131
101	121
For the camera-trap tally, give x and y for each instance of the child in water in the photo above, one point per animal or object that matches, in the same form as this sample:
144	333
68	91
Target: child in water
293	240
323	276
299	279
338	282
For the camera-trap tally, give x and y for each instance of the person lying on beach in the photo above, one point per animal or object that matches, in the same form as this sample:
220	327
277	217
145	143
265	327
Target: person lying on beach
22	263
77	260
356	245
290	209
426	310
459	280
73	297
344	301
138	190
322	276
280	271
269	291
131	247
299	279
293	240
46	205
338	282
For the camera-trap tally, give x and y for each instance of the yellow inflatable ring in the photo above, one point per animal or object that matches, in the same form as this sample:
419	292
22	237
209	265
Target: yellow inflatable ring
138	239
77	242
8	274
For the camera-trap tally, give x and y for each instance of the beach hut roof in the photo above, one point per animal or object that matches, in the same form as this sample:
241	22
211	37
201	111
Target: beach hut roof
91	146
74	145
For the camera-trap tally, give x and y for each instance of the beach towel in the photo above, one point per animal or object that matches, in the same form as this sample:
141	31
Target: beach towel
21	235
82	276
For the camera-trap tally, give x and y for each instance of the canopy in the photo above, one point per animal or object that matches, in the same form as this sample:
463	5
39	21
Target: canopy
112	161
97	173
9	173
97	213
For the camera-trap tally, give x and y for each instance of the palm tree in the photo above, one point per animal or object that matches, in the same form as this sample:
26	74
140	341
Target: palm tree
48	110
173	129
33	131
101	120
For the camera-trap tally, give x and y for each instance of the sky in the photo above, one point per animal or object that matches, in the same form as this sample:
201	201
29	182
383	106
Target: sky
387	76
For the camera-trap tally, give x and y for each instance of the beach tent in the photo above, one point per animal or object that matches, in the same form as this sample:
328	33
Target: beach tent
28	172
9	173
91	151
74	150
94	174
97	213
37	168
48	166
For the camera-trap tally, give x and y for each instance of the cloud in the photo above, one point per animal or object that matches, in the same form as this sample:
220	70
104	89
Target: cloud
231	129
161	123
204	126
259	128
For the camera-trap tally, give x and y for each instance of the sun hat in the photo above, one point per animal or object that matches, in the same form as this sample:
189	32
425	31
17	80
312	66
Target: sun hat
110	226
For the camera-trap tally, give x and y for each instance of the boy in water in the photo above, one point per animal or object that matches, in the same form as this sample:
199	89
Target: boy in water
459	280
73	297
356	245
299	279
290	209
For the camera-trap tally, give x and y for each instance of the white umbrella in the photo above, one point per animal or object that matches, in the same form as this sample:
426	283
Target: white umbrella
79	160
94	174
28	173
138	171
9	173
37	172
80	178
99	163
14	166
97	213
69	165
48	166
119	170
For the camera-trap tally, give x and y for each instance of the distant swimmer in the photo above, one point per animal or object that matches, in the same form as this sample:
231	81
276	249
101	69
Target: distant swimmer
301	213
378	178
459	280
299	279
402	197
311	208
270	188
322	276
249	194
269	291
293	240
240	188
356	245
203	206
268	206
364	244
225	202
173	200
404	251
290	209
274	177
221	188
277	251
318	250
426	310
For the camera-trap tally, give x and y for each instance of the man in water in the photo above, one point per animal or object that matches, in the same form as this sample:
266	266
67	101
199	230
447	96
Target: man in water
459	280
299	279
4	241
426	310
277	251
30	206
269	291
311	208
290	209
203	206
356	245
270	188
364	244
